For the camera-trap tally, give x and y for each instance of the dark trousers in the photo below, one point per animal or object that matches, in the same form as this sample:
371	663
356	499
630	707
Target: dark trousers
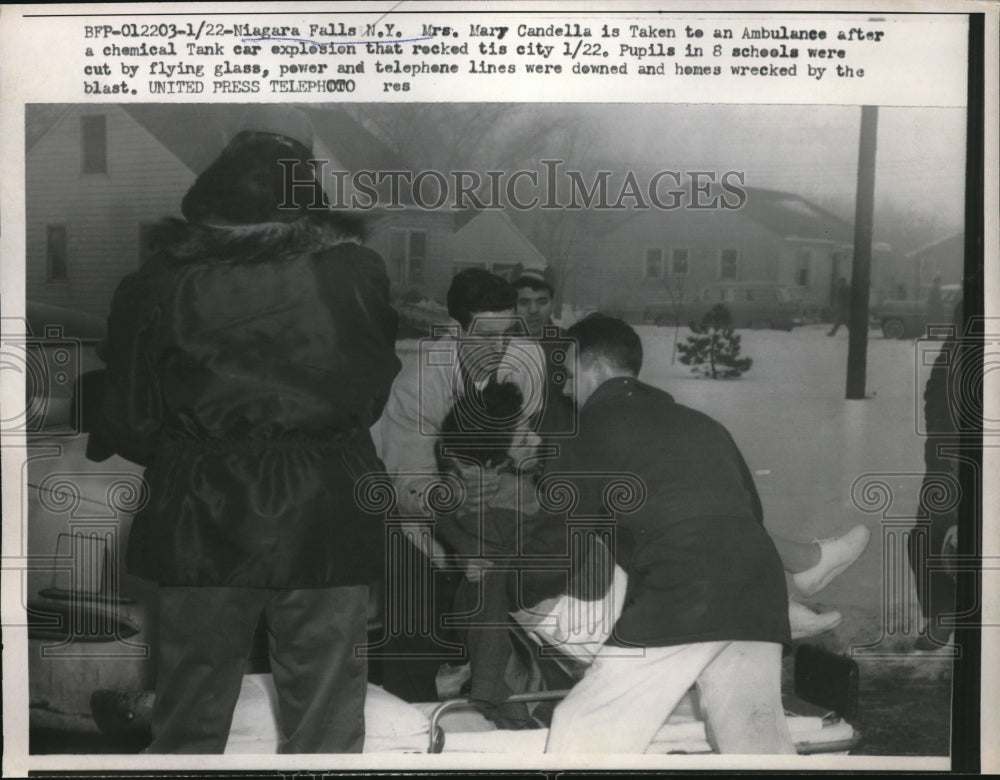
205	640
486	607
935	587
409	656
841	319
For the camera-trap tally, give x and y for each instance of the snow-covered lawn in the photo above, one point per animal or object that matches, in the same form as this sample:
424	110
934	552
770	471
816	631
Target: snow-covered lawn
808	445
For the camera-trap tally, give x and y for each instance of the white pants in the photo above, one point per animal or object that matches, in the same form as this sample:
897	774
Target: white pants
624	699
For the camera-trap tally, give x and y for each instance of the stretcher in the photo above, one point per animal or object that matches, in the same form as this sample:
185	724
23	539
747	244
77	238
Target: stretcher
456	726
825	697
818	712
816	726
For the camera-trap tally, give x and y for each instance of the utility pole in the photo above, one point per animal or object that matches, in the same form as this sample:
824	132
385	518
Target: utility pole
861	267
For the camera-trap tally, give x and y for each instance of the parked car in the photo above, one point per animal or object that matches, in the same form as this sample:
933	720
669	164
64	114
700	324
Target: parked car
810	308
750	304
905	318
91	625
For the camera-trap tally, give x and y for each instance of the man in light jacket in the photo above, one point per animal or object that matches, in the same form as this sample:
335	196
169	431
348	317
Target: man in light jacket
467	352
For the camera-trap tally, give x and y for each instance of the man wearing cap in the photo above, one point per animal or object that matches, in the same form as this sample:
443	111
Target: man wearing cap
535	298
246	361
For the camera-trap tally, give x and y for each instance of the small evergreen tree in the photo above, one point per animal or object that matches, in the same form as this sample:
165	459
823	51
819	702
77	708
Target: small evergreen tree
714	349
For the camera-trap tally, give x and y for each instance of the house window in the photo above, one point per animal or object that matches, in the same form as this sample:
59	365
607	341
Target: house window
407	257
56	255
93	131
679	262
729	265
654	264
803	264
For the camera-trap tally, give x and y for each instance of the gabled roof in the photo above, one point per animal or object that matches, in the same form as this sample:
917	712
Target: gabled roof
195	133
351	142
467	220
793	217
465	216
933	246
39	118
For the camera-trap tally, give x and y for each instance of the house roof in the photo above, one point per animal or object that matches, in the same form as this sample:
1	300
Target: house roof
933	246
350	141
39	118
467	220
196	132
793	217
465	216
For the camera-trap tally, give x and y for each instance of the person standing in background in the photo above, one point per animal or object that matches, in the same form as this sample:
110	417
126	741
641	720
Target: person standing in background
843	314
535	299
937	529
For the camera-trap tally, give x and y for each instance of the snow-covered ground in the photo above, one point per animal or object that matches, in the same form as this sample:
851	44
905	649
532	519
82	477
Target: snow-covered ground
809	447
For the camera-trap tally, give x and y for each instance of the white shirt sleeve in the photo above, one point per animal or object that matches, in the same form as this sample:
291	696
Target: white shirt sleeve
420	398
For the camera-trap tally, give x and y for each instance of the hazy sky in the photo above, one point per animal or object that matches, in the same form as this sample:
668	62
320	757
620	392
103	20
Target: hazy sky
809	150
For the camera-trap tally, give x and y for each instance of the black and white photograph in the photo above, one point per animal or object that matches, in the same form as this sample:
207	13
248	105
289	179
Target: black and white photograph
494	433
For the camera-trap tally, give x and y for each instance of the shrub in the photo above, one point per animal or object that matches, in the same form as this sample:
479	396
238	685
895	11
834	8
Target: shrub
713	350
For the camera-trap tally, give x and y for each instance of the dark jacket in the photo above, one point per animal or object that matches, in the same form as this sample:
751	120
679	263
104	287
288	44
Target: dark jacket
558	416
245	366
844	299
688	532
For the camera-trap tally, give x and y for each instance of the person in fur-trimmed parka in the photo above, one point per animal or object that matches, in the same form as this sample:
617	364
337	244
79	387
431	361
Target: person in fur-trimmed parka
246	361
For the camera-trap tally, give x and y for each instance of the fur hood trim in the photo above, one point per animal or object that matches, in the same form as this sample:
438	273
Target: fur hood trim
174	241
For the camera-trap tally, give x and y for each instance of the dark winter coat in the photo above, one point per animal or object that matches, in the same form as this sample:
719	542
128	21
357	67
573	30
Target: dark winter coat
949	462
245	366
700	565
844	299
